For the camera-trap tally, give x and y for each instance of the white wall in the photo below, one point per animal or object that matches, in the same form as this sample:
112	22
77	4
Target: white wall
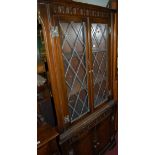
95	2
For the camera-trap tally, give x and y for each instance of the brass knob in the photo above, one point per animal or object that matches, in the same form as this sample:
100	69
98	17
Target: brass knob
38	142
91	71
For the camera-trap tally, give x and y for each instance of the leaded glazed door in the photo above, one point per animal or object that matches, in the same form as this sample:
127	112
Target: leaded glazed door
74	56
100	50
84	57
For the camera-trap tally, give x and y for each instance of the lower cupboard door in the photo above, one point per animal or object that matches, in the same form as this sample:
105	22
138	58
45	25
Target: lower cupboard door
84	146
44	150
103	131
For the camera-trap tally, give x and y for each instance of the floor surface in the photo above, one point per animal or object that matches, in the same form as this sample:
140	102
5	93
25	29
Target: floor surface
114	151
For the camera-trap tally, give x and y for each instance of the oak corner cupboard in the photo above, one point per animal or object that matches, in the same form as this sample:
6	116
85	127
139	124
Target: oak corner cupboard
79	46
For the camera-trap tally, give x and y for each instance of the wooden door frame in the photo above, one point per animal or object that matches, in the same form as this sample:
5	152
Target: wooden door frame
63	84
109	24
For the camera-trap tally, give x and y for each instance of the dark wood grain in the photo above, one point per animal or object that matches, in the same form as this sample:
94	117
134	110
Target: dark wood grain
46	139
45	134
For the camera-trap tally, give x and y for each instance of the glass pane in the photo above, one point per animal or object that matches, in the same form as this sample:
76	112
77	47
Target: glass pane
72	36
99	35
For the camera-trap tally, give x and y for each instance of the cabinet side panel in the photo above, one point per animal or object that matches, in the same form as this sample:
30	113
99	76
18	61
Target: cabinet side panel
49	45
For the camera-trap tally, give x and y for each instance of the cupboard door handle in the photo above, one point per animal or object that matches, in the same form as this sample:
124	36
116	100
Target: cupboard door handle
91	71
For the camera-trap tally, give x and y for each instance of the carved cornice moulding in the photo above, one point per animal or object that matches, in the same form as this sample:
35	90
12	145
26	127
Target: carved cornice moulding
78	9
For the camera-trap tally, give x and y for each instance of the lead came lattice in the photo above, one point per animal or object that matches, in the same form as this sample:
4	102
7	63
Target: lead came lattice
74	54
99	48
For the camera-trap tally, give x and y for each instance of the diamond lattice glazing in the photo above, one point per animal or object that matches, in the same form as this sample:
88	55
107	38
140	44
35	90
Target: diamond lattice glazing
99	50
74	57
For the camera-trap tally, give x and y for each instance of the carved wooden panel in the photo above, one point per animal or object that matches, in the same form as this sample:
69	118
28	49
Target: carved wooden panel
80	147
103	137
91	137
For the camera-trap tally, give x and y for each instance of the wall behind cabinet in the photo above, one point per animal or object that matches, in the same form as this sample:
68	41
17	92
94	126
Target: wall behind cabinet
94	2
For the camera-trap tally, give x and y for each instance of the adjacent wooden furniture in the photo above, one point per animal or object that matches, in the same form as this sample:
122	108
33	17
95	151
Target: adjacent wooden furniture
79	41
46	133
46	140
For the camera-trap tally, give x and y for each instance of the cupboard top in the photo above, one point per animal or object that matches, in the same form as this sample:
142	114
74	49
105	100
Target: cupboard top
77	9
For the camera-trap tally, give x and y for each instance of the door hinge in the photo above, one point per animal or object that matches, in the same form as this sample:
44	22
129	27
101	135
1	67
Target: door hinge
66	119
54	31
109	30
